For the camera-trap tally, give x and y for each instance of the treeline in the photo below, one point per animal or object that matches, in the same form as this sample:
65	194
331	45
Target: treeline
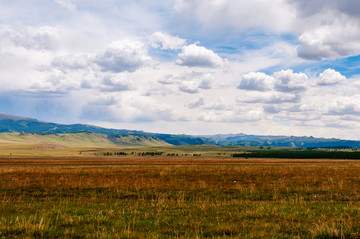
303	154
133	153
115	153
151	153
176	154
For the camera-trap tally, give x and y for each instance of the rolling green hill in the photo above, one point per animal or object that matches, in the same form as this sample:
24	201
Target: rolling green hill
82	139
16	124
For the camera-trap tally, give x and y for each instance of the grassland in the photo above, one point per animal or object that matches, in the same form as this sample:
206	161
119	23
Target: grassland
69	143
217	196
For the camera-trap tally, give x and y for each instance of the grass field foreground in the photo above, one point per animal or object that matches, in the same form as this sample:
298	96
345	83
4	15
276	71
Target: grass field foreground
158	197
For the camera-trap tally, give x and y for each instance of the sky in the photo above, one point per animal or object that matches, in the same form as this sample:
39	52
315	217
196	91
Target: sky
199	67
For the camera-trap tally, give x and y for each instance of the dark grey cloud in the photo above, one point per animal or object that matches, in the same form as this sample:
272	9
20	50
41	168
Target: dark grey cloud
311	7
271	109
350	7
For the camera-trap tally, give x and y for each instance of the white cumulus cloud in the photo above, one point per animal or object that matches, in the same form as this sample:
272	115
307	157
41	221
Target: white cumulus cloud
198	56
337	38
330	77
288	81
165	41
257	81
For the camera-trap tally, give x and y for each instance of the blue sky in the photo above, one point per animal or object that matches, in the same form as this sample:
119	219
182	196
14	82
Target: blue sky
280	67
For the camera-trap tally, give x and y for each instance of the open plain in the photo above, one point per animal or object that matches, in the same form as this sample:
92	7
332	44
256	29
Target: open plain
168	196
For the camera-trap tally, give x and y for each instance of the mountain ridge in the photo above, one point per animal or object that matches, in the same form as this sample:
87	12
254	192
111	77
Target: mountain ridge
19	124
282	141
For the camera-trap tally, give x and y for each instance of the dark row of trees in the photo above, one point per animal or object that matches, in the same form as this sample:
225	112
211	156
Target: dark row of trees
297	154
115	153
150	153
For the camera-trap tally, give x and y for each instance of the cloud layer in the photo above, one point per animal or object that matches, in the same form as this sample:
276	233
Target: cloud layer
198	67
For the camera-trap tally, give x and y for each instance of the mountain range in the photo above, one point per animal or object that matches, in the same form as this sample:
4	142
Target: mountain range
282	141
17	124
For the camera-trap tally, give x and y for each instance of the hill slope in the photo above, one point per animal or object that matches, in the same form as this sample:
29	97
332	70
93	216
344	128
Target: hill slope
83	139
12	124
16	124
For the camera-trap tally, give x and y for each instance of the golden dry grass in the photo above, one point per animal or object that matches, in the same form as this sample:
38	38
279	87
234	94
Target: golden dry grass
164	197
